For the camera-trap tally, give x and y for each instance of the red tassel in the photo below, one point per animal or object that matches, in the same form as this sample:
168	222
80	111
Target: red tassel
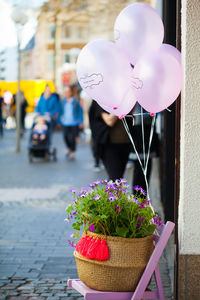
79	245
92	250
102	251
83	245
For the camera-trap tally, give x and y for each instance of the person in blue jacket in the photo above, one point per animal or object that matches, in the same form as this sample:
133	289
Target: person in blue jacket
72	118
48	106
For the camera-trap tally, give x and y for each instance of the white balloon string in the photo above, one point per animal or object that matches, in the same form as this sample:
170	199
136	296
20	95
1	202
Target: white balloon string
143	144
144	169
150	141
131	139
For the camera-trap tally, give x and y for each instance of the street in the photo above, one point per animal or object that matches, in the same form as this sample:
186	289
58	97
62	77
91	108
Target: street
35	261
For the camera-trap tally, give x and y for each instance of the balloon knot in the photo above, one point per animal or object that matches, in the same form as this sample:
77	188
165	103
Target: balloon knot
115	107
122	116
152	114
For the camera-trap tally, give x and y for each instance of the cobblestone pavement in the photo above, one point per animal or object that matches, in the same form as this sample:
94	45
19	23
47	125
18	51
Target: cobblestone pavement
35	261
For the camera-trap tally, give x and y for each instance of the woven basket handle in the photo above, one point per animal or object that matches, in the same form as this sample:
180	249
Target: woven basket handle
86	215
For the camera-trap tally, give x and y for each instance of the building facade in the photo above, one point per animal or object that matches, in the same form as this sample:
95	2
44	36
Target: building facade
64	27
27	64
9	64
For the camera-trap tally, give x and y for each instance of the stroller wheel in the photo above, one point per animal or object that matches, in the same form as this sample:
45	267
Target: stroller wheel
46	157
54	154
30	157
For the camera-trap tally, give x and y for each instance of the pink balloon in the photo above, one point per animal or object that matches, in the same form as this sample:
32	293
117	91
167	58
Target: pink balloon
172	50
125	107
157	81
104	72
138	30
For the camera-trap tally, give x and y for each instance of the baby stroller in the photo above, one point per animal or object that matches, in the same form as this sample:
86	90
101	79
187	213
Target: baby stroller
41	148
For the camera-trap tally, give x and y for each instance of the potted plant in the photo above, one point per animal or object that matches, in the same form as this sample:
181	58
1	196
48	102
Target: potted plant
117	234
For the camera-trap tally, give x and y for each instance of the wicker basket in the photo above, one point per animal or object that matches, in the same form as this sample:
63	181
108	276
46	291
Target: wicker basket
122	271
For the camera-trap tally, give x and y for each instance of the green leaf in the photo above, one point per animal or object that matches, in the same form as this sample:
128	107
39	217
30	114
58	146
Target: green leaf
76	226
104	217
122	231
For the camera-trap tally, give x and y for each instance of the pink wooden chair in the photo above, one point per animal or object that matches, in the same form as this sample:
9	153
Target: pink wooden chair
140	292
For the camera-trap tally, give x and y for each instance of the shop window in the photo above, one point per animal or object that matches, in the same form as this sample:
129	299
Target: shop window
67	58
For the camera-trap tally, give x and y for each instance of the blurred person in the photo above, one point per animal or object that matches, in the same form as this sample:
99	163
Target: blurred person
110	140
23	106
39	132
59	108
71	120
85	102
9	108
48	106
1	115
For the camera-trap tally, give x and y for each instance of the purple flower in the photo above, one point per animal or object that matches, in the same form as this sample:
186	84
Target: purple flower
142	191
96	182
71	235
71	244
123	180
141	205
124	191
66	220
97	197
83	189
91	227
117	209
74	200
126	185
157	220
104	181
82	195
110	186
73	190
136	187
139	222
74	213
111	198
92	185
117	182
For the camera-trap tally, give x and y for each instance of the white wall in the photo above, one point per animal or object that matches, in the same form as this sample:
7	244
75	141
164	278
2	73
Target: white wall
189	207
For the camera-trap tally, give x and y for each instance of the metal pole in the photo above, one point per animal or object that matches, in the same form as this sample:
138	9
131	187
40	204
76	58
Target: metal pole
18	101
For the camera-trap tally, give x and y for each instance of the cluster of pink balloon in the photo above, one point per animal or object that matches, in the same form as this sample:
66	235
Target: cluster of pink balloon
137	67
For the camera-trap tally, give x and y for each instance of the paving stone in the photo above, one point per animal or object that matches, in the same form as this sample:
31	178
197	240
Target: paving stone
47	294
25	287
36	298
20	297
11	293
62	295
18	281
